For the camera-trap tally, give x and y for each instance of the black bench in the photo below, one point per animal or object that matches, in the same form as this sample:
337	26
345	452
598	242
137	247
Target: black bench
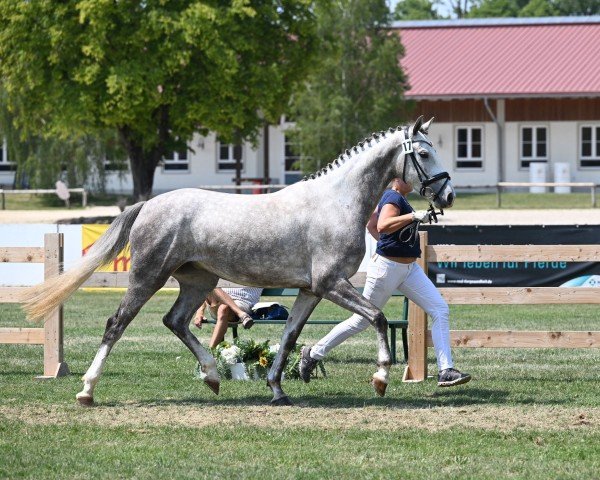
393	325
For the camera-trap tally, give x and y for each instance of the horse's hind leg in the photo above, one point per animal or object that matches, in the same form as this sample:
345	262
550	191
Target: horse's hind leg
138	293
194	285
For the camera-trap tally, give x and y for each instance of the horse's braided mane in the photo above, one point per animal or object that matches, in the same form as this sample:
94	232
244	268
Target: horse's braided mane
340	159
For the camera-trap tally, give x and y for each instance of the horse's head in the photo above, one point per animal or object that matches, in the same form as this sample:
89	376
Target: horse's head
419	164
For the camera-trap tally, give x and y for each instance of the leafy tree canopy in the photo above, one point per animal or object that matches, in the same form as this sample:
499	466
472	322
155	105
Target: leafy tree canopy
416	10
534	8
358	86
429	9
155	70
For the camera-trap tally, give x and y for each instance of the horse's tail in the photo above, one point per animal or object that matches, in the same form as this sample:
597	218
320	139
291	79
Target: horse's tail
41	299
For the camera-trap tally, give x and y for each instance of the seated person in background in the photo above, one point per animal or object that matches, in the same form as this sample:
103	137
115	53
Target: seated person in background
228	305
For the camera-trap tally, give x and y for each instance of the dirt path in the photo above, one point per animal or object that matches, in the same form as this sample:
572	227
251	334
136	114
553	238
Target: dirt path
489	417
54	216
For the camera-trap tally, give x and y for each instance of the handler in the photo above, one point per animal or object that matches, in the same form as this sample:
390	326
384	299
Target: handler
393	267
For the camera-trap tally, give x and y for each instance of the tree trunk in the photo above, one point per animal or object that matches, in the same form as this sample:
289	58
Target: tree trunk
142	172
142	163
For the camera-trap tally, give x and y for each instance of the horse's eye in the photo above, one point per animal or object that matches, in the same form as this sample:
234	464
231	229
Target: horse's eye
423	153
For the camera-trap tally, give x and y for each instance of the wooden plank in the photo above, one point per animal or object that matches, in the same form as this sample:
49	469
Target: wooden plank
9	294
416	371
521	339
104	279
31	336
514	253
22	254
53	322
520	295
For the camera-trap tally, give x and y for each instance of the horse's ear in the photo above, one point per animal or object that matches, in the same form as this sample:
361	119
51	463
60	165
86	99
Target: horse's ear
417	126
426	125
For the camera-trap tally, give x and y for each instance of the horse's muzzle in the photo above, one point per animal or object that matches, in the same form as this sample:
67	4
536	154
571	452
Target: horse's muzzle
439	190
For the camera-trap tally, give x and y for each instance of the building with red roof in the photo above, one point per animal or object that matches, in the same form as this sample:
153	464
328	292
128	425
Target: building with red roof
508	92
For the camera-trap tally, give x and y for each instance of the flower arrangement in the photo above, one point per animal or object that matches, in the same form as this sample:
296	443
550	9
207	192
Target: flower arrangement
257	359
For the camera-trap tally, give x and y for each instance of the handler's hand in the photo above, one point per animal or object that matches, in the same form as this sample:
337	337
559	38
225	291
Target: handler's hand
421	216
199	319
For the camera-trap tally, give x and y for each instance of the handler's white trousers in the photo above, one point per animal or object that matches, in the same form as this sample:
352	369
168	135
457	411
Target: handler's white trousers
384	276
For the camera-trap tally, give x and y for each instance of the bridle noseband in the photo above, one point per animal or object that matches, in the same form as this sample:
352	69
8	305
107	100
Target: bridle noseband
424	178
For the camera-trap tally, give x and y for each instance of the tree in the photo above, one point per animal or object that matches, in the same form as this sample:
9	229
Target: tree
533	8
155	71
539	8
79	160
577	7
358	85
495	9
416	10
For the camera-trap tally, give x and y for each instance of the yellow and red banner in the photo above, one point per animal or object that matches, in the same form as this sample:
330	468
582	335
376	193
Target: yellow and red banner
90	234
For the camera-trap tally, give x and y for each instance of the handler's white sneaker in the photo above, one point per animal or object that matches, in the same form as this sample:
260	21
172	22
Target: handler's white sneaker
451	377
307	364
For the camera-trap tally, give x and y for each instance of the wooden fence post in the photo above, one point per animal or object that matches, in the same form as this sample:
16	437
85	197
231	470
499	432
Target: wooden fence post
416	370
54	364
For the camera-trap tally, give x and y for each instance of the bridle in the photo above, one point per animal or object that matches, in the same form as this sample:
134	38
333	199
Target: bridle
424	178
426	181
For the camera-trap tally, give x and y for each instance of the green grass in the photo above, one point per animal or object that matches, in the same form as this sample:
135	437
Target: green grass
527	413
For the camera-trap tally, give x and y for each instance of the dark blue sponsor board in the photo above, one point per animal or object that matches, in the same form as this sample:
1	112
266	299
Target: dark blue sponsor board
508	272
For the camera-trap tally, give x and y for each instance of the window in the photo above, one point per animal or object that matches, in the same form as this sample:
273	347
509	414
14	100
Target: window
229	154
115	157
590	146
534	145
292	159
469	147
115	166
176	161
5	165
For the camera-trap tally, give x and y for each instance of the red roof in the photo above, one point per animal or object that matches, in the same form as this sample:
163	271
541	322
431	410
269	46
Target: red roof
545	57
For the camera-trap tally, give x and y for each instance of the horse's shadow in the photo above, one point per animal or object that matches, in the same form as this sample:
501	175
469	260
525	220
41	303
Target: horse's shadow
465	396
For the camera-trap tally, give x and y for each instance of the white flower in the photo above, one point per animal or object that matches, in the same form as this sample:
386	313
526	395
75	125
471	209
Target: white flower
274	348
231	355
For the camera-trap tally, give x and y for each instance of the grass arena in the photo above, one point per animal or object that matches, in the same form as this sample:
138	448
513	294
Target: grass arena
526	414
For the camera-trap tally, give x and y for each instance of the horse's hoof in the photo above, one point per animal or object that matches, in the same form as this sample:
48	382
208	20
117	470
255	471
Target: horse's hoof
85	400
379	386
213	385
281	402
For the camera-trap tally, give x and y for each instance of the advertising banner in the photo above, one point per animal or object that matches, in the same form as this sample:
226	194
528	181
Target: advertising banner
90	234
508	272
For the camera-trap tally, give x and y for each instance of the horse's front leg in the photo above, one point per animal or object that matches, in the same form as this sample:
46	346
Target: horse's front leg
342	293
305	303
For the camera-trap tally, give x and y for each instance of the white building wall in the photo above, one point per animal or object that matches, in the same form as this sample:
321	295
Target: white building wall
512	173
563	146
443	136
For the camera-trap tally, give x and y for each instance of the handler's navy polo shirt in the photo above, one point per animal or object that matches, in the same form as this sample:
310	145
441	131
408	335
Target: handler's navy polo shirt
390	244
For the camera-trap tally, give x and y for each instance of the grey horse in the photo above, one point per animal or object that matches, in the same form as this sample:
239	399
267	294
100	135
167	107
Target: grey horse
309	236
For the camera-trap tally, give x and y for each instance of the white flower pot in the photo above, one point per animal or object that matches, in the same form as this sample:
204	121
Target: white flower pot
238	372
